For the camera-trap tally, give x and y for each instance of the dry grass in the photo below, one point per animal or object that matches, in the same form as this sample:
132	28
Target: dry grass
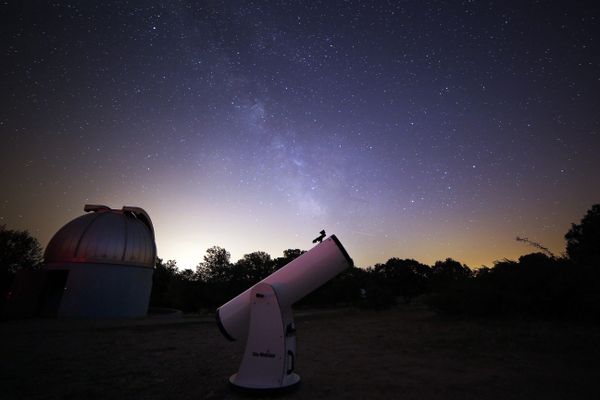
405	353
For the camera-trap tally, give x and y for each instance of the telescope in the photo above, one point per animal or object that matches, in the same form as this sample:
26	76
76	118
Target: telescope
262	315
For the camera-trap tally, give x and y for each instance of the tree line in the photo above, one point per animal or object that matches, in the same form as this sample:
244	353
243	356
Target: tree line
538	284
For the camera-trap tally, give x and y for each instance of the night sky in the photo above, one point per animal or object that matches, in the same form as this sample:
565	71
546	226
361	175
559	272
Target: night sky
413	129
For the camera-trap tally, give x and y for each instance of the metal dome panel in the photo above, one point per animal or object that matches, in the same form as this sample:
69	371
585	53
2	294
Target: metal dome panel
105	236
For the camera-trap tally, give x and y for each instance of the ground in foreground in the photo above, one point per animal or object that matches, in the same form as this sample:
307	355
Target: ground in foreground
404	353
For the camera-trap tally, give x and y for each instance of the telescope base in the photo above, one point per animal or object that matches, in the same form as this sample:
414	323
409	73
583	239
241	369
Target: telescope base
291	382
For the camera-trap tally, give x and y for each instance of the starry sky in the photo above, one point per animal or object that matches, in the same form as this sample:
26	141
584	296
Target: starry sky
414	129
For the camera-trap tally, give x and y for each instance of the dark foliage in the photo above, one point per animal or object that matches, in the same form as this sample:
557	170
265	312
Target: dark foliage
403	278
583	240
537	285
448	273
344	289
288	256
18	250
216	266
375	294
254	267
164	274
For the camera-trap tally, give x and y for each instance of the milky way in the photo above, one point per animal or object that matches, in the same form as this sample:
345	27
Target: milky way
413	129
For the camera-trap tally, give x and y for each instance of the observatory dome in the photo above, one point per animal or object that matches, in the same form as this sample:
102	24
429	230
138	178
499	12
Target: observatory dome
105	236
100	265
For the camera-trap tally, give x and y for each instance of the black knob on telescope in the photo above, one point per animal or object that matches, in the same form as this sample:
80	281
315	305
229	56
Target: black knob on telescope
320	237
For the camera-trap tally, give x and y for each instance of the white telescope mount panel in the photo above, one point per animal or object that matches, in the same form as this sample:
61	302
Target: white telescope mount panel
269	358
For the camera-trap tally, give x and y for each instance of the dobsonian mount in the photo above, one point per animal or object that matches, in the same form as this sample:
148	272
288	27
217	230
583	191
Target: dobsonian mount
263	316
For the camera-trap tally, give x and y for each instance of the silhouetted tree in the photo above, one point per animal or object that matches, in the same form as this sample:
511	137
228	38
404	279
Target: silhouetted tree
350	285
216	266
164	273
343	289
376	291
219	278
448	271
288	255
583	239
18	250
449	283
188	275
254	267
406	278
535	285
185	292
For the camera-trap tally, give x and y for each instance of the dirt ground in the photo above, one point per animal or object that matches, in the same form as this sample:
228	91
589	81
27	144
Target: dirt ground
404	353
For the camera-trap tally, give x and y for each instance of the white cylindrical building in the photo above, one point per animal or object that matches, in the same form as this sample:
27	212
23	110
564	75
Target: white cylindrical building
101	265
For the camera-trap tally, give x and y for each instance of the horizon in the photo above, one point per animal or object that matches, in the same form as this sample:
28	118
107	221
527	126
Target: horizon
192	263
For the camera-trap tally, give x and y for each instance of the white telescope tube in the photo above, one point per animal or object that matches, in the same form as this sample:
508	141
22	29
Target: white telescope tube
291	283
